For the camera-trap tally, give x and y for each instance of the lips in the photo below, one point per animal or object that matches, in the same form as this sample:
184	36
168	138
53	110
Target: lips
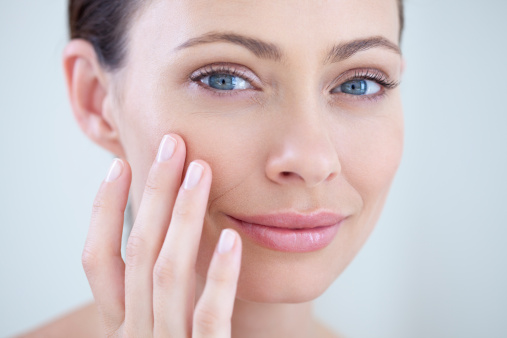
293	220
289	232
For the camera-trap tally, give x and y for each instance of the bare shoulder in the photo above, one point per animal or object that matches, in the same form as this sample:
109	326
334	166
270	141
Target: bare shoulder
81	322
326	332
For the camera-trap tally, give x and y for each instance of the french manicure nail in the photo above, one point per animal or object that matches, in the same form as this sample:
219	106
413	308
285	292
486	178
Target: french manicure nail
194	173
226	241
115	170
166	148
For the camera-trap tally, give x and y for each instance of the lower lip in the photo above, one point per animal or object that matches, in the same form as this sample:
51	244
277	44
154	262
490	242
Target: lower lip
288	240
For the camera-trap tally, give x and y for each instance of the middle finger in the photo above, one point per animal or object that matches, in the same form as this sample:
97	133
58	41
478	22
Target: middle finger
148	232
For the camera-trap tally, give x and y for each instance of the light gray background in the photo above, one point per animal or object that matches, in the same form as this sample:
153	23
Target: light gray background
435	266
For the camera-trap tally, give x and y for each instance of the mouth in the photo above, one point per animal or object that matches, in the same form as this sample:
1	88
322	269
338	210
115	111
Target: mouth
289	232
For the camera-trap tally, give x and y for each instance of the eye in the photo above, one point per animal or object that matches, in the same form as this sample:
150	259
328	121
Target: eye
369	83
224	81
359	87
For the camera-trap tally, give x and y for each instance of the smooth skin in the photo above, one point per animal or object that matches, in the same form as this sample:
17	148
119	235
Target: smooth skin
287	142
152	293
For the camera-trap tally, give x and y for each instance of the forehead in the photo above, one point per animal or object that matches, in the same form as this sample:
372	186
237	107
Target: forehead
303	26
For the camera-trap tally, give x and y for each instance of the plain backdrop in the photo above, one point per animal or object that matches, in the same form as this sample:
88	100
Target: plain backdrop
435	266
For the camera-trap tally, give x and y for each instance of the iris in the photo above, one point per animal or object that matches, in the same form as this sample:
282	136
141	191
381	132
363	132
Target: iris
355	87
222	81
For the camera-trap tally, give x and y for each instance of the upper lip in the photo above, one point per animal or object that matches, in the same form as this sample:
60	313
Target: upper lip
293	220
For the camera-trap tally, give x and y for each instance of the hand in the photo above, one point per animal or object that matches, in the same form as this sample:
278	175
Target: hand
152	294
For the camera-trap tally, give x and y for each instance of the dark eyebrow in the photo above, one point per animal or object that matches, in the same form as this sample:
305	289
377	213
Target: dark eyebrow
270	51
347	49
260	48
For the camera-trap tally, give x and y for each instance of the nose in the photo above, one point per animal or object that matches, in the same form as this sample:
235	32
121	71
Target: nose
302	152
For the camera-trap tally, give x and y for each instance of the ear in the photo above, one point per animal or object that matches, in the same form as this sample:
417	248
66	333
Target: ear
90	94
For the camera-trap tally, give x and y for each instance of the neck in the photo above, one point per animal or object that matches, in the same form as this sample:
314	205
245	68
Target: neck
268	320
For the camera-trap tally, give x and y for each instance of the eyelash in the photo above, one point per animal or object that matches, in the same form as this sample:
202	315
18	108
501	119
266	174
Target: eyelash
359	74
371	74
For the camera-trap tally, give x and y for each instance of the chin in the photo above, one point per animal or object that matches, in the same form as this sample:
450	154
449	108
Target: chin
292	293
269	276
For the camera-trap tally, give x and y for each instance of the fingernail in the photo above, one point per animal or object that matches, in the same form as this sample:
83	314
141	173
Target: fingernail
115	170
194	173
166	148
226	241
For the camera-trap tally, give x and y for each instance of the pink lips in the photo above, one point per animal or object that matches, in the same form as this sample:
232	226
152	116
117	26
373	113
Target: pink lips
290	232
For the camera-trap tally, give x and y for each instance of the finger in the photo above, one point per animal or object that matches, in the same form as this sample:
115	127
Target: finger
213	312
101	257
174	272
148	232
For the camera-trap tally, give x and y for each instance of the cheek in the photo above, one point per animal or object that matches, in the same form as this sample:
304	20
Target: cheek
229	144
370	163
372	156
234	152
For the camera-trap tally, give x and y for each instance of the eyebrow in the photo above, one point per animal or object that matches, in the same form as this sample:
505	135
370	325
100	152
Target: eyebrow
270	51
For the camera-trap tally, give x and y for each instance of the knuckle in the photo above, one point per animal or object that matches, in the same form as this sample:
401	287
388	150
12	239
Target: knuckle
207	320
136	246
220	278
182	210
185	208
98	206
89	260
151	186
165	271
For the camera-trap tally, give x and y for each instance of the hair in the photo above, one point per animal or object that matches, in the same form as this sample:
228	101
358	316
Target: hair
104	23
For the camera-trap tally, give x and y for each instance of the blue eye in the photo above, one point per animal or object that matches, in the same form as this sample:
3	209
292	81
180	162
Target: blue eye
225	82
359	87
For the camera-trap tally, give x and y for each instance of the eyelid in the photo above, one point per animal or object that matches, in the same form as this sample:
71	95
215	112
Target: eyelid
226	68
372	74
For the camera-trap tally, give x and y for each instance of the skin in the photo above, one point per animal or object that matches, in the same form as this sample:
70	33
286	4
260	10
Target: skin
289	144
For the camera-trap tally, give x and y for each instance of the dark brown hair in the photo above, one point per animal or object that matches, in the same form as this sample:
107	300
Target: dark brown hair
104	24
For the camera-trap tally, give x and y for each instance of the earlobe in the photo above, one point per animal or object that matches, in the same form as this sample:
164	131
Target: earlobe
90	96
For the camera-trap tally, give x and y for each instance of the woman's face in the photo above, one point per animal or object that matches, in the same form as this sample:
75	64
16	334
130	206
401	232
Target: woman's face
285	127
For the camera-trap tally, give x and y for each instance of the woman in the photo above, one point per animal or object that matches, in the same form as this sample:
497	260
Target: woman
257	141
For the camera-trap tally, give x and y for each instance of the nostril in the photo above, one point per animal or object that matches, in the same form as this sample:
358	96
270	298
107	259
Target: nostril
285	173
332	176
